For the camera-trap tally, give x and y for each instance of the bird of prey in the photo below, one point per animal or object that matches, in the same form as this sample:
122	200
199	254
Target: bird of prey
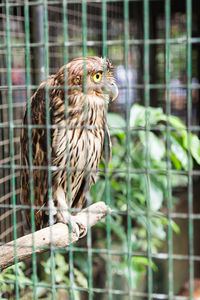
74	101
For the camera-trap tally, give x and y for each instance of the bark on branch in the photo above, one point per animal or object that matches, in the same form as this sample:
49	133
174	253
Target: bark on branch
57	235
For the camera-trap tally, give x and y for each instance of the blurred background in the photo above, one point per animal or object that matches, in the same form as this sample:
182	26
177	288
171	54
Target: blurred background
150	246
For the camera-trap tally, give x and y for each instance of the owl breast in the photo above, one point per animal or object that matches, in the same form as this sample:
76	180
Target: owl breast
79	153
84	158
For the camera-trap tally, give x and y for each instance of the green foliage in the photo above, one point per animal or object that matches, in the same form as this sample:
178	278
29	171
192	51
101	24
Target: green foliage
140	182
8	280
60	269
55	265
58	266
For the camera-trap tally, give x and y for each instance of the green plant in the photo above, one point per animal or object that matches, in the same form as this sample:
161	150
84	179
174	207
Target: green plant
8	279
143	152
55	265
60	269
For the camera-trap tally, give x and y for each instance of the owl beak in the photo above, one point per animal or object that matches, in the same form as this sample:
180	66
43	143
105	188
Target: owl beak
112	89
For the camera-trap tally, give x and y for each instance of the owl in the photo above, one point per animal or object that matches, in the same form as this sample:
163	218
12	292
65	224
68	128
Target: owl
69	136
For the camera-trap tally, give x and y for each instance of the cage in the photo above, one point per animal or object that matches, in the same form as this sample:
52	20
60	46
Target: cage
149	246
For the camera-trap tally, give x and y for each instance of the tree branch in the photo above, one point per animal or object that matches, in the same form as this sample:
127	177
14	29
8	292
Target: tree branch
57	235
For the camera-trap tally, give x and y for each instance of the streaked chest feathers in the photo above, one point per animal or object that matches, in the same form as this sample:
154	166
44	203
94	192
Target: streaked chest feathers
78	145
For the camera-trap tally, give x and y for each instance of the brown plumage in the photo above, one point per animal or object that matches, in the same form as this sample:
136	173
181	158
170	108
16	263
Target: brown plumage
77	137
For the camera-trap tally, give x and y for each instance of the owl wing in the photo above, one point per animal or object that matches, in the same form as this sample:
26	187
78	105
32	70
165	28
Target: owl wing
38	174
106	153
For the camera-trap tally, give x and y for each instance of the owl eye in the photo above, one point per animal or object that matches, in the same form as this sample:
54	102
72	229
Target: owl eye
97	77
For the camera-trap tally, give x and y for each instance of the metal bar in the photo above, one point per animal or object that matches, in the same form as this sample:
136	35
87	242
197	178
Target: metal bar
37	38
169	165
135	42
128	150
136	86
161	256
85	54
147	102
189	119
107	184
28	80
11	136
48	140
52	2
116	212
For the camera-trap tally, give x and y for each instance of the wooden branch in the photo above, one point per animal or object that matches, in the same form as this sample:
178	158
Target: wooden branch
57	235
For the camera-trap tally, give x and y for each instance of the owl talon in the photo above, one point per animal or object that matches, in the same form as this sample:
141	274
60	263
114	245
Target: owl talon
75	222
75	227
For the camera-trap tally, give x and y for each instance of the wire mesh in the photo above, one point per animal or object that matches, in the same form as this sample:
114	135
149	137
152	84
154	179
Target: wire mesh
158	39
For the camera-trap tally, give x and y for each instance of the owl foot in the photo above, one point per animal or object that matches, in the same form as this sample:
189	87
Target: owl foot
79	227
75	224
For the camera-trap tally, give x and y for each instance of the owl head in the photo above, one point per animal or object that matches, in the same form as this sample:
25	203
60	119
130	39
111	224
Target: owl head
91	76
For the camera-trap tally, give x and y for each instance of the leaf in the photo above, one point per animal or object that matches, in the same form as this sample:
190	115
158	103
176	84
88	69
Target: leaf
137	116
41	290
100	187
157	148
176	123
191	141
116	123
175	227
140	115
59	275
155	115
118	229
179	152
175	161
80	278
154	145
138	260
157	229
156	196
181	180
60	262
